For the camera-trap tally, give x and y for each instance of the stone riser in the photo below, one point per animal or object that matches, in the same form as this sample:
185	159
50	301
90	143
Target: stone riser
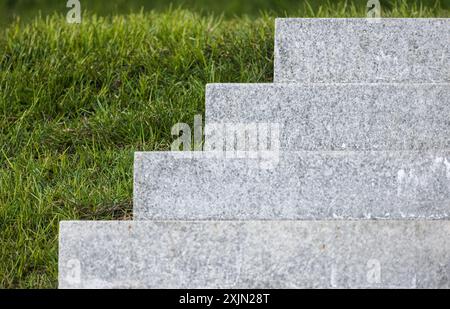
292	185
358	50
335	116
275	254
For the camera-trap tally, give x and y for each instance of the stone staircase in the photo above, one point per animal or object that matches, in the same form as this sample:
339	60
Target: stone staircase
335	176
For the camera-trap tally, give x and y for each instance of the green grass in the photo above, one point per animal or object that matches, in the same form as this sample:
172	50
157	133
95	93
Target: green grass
77	100
28	9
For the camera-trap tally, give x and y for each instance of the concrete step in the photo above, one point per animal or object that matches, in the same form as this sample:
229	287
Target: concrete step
252	254
291	185
329	50
335	116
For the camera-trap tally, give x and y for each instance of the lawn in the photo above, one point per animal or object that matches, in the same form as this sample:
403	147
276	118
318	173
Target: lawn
28	9
76	101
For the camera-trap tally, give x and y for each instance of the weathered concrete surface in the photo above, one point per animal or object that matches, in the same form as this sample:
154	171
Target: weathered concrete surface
248	254
362	51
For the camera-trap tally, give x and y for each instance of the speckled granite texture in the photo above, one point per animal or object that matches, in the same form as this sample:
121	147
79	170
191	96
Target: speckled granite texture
358	51
301	185
249	254
339	117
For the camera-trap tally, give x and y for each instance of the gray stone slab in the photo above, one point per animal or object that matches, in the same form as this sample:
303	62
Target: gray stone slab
295	185
339	116
252	254
360	50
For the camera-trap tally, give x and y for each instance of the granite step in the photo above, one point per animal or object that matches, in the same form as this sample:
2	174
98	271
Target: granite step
360	50
335	116
252	254
292	185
